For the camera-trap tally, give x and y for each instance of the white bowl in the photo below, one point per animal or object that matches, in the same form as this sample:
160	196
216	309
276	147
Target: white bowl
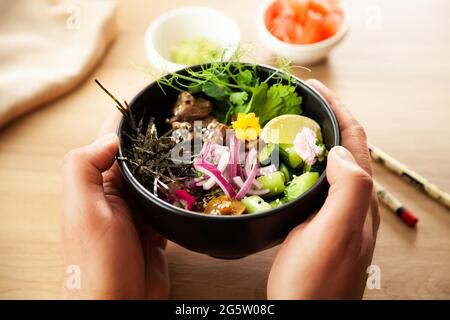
304	54
172	27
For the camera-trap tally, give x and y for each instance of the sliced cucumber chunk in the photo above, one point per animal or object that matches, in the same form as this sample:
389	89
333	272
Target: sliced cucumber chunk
255	204
287	173
289	156
300	185
278	202
307	167
274	182
268	154
319	166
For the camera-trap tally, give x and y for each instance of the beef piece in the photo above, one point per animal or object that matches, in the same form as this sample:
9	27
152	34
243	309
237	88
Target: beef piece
215	132
182	130
188	108
181	125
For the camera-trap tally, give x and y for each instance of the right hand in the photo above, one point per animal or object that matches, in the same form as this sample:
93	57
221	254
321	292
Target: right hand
327	256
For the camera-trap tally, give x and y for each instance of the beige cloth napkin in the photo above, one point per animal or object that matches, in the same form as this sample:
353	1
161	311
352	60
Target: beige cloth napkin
48	47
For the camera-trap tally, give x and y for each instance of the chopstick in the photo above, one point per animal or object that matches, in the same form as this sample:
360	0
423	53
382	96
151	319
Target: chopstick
409	175
395	205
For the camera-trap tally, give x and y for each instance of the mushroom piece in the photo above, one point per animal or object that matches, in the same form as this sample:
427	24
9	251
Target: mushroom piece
222	205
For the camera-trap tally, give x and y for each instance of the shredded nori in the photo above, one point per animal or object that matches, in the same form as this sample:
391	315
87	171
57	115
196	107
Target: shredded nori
149	155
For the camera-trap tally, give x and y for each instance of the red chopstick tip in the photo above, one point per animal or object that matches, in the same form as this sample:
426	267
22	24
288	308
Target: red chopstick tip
409	218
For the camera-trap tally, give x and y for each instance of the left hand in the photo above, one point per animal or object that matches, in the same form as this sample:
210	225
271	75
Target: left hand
119	256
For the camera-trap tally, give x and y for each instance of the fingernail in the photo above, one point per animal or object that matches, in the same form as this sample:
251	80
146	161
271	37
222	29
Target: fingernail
343	153
104	140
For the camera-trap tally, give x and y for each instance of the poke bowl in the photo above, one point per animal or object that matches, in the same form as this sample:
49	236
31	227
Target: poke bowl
244	194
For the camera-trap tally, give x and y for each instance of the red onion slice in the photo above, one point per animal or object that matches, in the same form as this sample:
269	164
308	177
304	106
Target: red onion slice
234	149
240	183
250	179
258	192
252	157
221	166
211	171
202	182
224	160
204	153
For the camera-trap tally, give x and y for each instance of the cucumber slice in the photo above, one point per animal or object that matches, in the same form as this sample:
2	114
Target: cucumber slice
319	166
278	202
287	173
255	204
274	182
268	153
300	185
289	156
307	167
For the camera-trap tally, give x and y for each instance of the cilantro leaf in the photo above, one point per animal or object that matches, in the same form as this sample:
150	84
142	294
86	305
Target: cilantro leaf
238	98
259	97
214	91
280	99
244	78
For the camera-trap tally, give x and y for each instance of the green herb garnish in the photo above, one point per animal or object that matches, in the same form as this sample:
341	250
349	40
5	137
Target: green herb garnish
280	99
237	88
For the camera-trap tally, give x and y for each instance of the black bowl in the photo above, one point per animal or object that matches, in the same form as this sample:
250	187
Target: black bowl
225	236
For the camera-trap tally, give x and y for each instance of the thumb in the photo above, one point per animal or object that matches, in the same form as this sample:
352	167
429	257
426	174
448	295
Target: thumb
83	167
350	190
82	173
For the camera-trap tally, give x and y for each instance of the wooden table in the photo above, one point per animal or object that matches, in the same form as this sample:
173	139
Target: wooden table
393	71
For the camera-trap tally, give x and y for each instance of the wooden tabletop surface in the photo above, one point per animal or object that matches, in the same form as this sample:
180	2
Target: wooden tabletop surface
393	72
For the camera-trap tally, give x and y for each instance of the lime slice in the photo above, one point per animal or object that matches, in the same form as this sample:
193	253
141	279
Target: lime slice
283	129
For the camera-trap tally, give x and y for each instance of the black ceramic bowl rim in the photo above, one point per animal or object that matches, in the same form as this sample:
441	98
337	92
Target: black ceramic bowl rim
168	206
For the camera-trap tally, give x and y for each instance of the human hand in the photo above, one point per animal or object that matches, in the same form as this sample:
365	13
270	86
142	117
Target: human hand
327	256
119	256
